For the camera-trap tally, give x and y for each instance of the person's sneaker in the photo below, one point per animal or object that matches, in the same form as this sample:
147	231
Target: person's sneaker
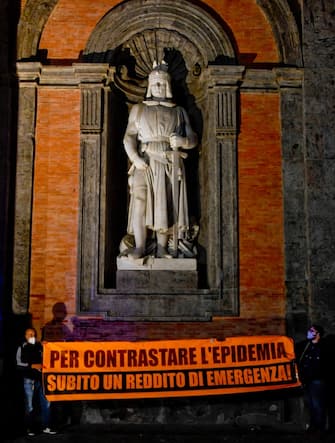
30	433
49	431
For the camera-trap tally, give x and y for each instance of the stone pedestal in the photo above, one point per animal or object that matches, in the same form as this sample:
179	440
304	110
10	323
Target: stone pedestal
156	274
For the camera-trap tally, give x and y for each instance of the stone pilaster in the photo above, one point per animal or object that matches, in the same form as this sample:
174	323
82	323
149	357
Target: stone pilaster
92	80
289	81
28	76
223	252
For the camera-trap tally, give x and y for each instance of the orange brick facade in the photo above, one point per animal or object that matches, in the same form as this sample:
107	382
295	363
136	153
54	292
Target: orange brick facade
56	197
260	200
75	21
260	207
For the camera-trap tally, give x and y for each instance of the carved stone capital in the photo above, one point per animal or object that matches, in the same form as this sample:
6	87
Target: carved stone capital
289	77
88	73
28	72
259	79
91	109
224	75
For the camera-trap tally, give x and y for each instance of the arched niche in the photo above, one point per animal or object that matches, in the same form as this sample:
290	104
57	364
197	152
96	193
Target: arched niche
202	63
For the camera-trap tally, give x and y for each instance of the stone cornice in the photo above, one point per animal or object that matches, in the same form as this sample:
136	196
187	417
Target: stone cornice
64	76
224	75
248	79
289	77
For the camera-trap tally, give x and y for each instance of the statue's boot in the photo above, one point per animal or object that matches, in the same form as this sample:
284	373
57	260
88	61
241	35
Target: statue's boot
136	253
162	252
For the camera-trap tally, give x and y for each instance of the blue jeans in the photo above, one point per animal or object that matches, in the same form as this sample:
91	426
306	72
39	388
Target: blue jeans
316	393
33	391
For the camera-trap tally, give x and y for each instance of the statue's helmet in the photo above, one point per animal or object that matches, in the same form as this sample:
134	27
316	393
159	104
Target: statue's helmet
160	72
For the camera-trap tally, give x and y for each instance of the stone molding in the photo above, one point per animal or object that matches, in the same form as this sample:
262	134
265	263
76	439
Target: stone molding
85	74
289	77
75	75
183	20
285	29
35	14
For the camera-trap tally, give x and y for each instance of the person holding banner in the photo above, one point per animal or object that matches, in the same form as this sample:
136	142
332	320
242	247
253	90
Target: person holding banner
157	129
314	365
29	365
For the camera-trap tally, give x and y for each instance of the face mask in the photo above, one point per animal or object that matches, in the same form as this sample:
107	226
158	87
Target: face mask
311	335
32	340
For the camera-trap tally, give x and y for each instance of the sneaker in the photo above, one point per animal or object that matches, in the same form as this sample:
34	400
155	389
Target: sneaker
49	431
30	433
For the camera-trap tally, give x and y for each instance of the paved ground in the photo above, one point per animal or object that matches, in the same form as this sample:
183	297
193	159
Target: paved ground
172	434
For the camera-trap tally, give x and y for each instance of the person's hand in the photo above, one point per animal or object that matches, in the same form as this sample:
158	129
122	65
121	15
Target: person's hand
177	141
140	163
37	366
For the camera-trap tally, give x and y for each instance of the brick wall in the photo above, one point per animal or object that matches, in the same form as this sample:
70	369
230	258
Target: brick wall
56	187
260	207
55	206
75	21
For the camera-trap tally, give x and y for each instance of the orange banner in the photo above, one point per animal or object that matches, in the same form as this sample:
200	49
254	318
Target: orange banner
173	368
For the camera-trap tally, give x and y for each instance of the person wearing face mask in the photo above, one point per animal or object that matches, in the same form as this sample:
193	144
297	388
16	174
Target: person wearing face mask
29	365
313	365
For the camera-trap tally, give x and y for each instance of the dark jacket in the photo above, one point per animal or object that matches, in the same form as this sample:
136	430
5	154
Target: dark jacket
27	355
313	360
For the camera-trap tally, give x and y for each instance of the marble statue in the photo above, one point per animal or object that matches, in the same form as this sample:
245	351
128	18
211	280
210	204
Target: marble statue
157	135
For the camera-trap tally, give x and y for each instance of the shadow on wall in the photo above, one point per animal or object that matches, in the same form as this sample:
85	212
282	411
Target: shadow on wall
60	329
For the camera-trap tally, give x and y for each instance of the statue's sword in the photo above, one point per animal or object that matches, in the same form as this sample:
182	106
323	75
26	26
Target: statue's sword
176	177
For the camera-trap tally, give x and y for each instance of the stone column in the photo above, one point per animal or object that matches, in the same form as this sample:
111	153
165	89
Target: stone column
222	164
